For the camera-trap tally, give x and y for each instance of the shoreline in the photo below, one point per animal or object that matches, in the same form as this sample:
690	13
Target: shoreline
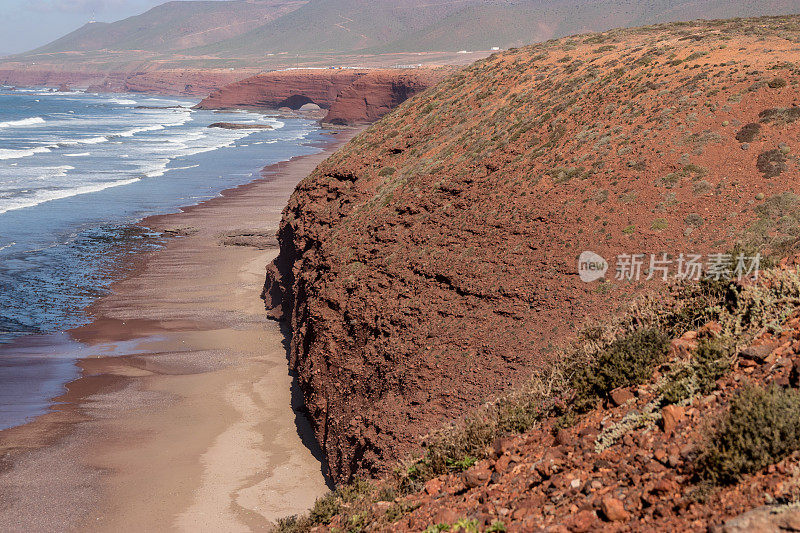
184	412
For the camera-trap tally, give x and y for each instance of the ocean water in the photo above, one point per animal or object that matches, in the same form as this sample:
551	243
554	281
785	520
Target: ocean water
77	171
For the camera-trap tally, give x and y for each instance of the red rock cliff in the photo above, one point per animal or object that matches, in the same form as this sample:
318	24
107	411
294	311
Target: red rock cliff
179	82
372	96
352	96
287	88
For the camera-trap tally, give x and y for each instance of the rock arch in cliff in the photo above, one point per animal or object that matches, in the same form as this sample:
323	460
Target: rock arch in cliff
296	101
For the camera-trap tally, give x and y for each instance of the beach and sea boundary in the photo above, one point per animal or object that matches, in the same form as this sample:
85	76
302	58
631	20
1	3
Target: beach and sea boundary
185	415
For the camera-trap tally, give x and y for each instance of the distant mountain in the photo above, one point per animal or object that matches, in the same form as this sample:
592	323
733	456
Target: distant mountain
173	26
343	26
278	33
482	25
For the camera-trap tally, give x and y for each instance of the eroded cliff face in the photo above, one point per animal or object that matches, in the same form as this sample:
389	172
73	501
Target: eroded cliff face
272	90
373	95
351	96
431	264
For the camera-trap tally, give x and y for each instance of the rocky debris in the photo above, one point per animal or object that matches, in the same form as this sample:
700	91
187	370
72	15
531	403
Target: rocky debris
671	415
553	479
184	231
613	509
759	353
476	476
621	396
233	126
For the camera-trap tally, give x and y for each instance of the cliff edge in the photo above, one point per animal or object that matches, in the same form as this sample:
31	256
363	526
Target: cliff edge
431	264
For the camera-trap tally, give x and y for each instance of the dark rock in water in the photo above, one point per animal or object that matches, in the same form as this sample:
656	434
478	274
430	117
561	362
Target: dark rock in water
231	126
160	107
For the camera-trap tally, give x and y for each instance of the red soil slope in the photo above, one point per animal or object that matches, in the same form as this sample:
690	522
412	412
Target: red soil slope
431	263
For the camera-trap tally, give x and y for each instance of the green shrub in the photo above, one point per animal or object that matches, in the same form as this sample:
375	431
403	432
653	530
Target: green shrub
459	465
777	83
694	220
771	163
387	171
659	224
627	361
711	360
780	116
325	508
748	133
696	304
761	427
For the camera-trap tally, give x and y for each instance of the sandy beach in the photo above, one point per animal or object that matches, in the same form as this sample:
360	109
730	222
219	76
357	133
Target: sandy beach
185	417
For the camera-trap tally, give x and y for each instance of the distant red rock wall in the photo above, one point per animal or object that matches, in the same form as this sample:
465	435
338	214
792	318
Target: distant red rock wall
372	96
51	78
352	96
196	83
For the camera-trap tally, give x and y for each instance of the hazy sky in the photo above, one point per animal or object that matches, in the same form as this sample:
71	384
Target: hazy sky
27	24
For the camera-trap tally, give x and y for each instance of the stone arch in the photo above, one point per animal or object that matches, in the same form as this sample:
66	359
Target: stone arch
296	101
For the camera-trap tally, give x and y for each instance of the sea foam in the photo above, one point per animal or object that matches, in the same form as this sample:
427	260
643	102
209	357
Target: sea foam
21	123
43	196
25	152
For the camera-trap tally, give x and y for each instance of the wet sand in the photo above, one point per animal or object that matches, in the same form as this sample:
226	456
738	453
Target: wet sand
185	417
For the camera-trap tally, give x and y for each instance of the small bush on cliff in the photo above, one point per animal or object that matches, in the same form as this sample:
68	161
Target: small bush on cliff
761	428
771	163
776	231
325	508
712	360
627	361
776	83
748	133
387	171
